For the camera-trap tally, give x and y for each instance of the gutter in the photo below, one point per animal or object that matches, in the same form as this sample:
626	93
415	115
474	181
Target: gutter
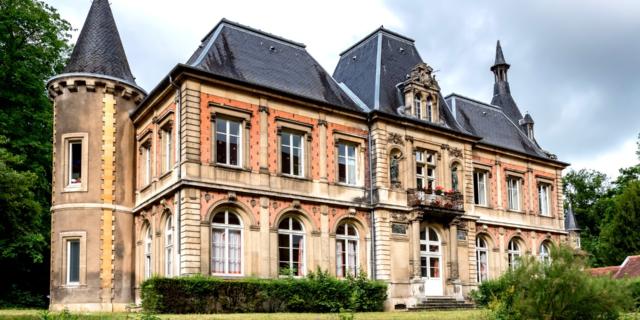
373	212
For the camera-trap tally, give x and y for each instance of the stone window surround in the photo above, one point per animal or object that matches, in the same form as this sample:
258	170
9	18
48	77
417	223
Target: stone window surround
64	238
234	114
295	127
341	137
67	138
166	124
145	141
424	94
549	182
427	148
512	174
487	171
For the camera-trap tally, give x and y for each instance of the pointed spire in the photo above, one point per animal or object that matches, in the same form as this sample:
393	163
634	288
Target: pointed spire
499	55
99	49
570	223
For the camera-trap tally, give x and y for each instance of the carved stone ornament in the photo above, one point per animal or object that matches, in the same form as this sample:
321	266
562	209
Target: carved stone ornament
400	217
395	138
422	74
456	152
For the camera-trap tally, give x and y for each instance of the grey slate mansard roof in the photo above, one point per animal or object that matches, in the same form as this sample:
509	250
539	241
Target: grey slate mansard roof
375	67
241	53
99	49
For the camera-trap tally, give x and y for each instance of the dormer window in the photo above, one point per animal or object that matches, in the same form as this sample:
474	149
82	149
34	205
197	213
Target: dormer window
417	106
429	110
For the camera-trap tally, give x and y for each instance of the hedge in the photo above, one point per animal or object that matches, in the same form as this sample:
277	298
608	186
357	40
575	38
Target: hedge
318	292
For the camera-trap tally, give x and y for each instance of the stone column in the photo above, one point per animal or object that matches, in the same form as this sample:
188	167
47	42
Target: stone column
415	237
453	249
265	262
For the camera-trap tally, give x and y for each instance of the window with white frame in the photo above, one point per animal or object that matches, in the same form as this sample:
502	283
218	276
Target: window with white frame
430	253
228	142
513	253
226	255
291	254
417	105
146	164
347	163
480	187
167	149
73	262
543	199
75	163
545	253
148	240
168	247
425	169
292	154
482	259
346	250
513	193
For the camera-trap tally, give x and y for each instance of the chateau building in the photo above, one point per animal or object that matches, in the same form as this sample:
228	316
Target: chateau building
250	159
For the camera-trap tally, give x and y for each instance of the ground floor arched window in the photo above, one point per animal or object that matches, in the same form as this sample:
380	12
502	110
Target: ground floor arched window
291	253
482	259
168	247
346	250
545	253
514	253
226	247
148	240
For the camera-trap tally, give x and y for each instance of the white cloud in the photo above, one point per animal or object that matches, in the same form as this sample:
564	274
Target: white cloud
620	156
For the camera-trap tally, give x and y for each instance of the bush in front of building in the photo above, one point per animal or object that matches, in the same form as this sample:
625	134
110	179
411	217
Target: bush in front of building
318	292
557	290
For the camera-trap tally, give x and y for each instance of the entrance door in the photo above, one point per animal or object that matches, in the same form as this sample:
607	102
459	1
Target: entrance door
431	262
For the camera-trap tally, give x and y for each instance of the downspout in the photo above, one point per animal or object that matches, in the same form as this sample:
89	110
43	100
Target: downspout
372	215
179	170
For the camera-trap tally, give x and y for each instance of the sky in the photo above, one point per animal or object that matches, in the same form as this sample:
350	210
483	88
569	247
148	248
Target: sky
575	64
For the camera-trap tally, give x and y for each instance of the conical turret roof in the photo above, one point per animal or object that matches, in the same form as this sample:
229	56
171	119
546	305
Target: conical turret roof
99	49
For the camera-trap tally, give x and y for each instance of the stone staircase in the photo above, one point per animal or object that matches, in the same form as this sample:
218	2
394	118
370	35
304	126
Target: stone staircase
441	303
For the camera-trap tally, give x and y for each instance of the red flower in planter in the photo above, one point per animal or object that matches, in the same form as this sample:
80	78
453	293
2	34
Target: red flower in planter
439	190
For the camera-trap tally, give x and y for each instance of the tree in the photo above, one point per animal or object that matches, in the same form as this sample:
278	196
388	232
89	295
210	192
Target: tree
620	233
33	47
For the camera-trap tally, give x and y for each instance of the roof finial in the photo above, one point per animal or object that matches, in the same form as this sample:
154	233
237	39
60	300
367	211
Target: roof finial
499	55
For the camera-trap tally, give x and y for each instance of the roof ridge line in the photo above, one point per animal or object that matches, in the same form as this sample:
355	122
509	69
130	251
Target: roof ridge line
380	29
483	104
263	33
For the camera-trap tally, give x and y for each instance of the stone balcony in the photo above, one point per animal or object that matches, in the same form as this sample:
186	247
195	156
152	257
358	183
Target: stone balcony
423	199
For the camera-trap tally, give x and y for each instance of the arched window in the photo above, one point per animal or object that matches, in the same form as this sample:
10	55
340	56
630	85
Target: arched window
168	247
417	105
514	253
545	256
291	247
346	250
429	109
430	253
226	253
482	259
147	253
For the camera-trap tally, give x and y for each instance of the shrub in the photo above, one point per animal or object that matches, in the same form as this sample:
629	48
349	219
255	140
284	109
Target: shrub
634	289
318	292
559	290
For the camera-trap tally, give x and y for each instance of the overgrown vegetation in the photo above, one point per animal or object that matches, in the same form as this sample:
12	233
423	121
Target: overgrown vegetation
559	290
318	292
33	47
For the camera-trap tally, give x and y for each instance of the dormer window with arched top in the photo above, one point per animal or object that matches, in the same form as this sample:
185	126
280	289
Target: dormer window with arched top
422	88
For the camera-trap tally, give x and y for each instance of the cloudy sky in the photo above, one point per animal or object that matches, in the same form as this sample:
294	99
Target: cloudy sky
575	64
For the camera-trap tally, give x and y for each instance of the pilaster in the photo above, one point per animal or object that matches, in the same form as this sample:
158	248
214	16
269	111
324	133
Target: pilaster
107	195
190	229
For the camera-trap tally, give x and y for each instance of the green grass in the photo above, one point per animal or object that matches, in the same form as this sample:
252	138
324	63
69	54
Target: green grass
433	315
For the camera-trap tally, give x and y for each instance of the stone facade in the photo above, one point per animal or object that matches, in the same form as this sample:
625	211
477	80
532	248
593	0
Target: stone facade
195	179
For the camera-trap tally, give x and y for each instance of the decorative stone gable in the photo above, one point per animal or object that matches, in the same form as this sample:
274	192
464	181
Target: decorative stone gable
422	75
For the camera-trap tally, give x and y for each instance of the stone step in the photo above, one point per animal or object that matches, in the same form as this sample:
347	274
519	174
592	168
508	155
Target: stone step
441	303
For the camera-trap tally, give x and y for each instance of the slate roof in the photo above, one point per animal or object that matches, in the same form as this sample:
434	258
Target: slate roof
241	53
99	49
570	223
493	125
376	66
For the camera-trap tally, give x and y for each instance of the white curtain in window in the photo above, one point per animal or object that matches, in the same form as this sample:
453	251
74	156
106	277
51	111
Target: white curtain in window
235	243
352	254
218	250
340	258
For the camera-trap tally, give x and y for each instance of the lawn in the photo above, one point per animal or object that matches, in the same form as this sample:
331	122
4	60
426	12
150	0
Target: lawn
432	315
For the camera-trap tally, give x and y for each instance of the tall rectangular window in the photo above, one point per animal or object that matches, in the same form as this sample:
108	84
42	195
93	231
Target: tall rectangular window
480	187
291	154
167	150
513	193
228	142
543	199
146	159
73	261
75	163
347	164
425	170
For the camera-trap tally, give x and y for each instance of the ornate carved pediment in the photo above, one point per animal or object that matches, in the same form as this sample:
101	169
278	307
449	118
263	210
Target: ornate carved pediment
396	138
422	74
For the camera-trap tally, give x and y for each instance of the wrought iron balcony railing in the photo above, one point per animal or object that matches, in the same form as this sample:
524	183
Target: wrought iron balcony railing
446	200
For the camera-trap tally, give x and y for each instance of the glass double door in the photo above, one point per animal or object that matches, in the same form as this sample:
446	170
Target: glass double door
431	261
